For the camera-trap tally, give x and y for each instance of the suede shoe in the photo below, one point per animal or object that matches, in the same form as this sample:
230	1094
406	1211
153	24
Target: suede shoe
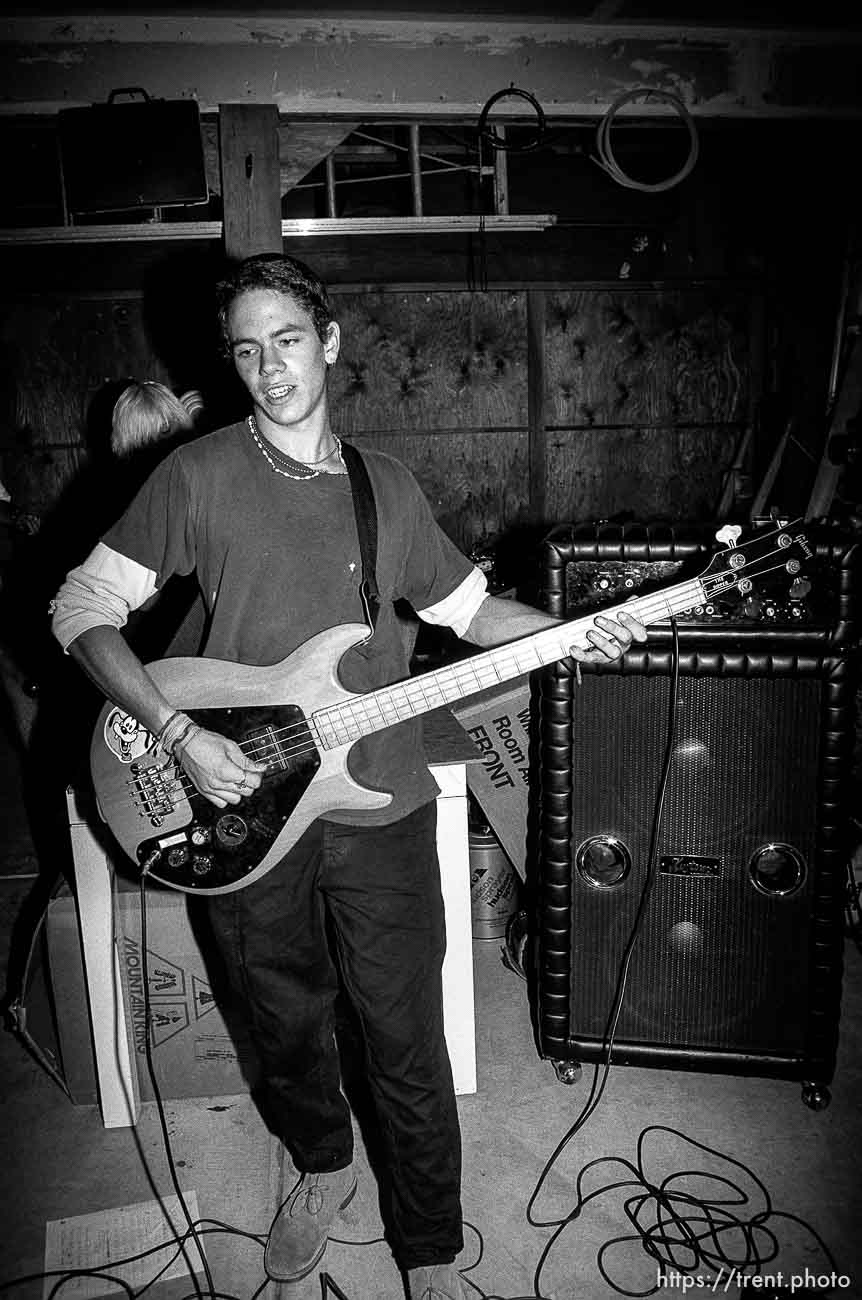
436	1282
300	1229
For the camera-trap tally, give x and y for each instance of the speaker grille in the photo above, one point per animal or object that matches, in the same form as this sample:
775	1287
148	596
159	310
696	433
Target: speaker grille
724	975
712	966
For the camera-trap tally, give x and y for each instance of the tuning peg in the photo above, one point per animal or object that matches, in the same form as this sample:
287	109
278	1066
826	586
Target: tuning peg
729	534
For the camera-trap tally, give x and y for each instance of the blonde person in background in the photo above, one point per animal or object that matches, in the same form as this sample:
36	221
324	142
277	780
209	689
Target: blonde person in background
147	412
148	421
40	698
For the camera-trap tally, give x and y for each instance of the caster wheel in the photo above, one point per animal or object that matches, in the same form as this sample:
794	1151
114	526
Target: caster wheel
816	1096
567	1071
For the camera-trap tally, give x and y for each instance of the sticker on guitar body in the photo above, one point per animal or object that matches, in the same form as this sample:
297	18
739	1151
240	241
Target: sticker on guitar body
125	737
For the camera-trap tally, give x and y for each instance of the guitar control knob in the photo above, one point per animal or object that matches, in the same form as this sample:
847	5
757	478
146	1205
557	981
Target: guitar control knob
199	835
231	830
178	856
202	863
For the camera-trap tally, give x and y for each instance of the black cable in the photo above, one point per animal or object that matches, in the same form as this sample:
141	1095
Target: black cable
72	1276
602	1068
160	1109
674	1239
499	142
195	1228
687	1232
65	1275
598	1086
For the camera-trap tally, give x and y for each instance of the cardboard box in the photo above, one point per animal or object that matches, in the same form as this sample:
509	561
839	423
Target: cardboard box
131	1244
498	723
194	1053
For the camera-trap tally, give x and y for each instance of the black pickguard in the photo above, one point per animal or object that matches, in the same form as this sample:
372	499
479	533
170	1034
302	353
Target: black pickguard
220	846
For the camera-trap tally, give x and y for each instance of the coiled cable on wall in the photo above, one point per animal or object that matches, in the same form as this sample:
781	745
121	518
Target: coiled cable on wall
606	159
490	136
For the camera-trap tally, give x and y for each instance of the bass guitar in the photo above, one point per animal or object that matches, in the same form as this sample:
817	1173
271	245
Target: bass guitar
298	718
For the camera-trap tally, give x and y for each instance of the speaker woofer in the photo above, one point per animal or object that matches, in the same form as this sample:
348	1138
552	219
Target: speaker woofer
603	861
777	870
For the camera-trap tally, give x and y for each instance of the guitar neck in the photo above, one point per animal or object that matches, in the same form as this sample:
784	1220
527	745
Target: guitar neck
364	714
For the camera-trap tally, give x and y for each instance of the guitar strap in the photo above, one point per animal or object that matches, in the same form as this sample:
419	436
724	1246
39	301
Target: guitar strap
366	526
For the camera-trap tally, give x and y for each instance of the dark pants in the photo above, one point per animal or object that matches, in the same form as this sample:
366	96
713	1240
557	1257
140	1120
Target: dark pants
380	887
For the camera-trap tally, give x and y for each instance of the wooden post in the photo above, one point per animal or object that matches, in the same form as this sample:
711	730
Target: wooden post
331	199
536	404
501	177
415	169
250	177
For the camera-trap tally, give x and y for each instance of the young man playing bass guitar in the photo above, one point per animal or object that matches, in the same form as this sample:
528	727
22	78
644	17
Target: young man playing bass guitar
263	513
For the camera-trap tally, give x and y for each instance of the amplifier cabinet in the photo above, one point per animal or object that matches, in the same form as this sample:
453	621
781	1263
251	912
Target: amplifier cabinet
737	965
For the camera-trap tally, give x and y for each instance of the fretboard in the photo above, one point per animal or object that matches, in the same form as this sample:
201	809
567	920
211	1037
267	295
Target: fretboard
344	723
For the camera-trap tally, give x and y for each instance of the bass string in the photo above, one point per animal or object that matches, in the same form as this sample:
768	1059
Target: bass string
648	605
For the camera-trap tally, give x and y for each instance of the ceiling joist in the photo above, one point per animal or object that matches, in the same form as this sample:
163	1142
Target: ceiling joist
360	68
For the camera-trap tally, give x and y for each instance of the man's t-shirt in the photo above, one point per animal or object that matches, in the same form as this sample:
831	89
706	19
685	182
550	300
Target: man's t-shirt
278	560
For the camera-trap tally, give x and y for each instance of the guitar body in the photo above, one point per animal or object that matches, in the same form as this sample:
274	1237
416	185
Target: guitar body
298	717
200	848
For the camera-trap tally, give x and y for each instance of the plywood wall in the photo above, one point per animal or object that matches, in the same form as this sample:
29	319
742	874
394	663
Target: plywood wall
440	381
644	396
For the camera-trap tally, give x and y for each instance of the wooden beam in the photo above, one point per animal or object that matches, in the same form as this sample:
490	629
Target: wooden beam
250	175
362	67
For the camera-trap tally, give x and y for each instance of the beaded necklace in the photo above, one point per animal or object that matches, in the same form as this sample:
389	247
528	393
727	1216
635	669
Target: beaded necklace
273	455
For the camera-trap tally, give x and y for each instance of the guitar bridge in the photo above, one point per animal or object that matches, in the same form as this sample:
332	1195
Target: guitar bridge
152	788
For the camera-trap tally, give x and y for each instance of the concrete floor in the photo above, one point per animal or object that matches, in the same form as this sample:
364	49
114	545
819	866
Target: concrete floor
59	1161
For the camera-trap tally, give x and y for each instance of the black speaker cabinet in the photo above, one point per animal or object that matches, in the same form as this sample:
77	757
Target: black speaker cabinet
738	962
125	155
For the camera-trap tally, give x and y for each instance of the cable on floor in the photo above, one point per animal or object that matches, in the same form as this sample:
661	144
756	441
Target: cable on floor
676	1228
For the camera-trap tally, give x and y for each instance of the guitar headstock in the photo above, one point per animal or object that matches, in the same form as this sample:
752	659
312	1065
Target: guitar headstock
782	547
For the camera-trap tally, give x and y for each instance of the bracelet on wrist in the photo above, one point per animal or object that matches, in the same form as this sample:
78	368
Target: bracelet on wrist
187	734
175	726
163	730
